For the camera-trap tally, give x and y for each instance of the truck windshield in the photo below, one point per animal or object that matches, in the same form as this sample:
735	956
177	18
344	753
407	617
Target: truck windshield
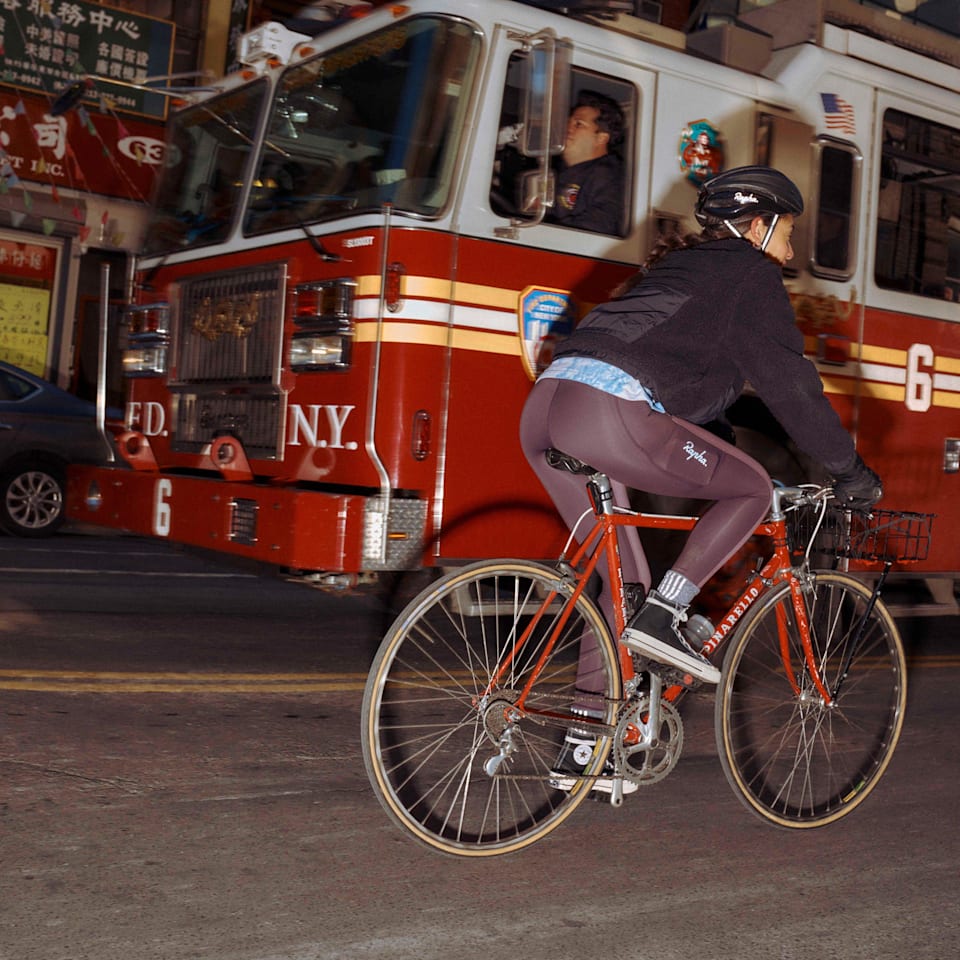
209	146
377	120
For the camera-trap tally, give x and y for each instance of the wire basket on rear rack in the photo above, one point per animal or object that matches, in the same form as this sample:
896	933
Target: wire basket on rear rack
880	536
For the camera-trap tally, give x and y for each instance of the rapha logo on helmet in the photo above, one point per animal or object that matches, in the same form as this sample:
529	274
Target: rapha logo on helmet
745	197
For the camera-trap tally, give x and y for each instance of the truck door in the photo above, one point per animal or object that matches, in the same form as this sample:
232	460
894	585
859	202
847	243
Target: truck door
518	277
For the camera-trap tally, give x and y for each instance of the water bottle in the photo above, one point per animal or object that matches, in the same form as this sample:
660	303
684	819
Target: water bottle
697	630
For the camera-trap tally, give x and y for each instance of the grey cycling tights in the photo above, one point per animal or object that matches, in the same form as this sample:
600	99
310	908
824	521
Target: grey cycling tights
645	450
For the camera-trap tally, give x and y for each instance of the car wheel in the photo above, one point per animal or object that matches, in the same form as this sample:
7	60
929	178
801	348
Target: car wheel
32	501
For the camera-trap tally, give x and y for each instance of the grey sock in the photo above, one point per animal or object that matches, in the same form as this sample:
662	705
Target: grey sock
677	589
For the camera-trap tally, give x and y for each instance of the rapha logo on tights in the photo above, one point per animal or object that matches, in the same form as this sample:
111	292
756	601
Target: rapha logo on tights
693	454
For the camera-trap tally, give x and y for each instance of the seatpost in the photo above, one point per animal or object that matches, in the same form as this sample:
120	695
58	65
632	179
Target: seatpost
601	493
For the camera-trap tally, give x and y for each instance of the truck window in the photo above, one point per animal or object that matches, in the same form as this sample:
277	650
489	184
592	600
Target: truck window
918	205
834	244
209	147
378	120
951	290
590	187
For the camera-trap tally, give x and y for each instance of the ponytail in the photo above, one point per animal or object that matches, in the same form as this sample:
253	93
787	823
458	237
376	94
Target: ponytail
674	240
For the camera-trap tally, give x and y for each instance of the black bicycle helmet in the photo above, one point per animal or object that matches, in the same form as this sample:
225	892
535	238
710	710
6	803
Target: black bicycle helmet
746	192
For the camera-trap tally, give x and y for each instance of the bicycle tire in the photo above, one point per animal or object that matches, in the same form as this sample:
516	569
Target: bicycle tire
791	758
427	730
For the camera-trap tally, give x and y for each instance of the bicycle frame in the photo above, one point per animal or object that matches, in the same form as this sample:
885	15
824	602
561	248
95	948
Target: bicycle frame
499	694
602	541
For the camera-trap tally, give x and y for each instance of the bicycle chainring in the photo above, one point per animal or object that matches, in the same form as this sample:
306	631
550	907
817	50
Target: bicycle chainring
646	766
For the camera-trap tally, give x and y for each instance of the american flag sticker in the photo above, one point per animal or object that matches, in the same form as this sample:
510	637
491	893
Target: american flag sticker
838	114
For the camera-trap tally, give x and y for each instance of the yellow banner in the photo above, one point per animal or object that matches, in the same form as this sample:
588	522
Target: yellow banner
24	322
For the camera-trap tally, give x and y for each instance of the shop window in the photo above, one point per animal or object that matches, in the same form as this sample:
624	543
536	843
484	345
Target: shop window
28	281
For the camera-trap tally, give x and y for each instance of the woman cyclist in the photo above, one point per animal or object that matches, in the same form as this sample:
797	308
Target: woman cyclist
629	392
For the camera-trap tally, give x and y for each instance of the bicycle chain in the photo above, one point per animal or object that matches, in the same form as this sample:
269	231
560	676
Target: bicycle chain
669	749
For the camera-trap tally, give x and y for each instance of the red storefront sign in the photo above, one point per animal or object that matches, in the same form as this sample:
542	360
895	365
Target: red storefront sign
86	149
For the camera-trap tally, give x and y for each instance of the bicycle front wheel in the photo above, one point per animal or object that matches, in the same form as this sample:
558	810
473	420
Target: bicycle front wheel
791	757
451	755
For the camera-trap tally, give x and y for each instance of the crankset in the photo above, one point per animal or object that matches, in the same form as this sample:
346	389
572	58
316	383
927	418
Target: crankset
646	747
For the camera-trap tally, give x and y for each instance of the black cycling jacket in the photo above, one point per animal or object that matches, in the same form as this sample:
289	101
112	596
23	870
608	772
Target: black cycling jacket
705	320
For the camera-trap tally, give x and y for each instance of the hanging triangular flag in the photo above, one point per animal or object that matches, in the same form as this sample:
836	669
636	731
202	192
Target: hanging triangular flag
16	217
77	214
41	166
54	193
84	233
122	131
19	108
48	225
104	217
27	200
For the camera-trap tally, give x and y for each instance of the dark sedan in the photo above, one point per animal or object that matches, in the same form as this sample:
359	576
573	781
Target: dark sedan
42	429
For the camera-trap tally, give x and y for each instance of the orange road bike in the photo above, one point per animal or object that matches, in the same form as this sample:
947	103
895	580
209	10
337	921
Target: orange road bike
473	689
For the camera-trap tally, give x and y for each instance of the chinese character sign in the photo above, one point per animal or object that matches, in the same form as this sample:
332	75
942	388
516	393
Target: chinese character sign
45	46
26	277
86	151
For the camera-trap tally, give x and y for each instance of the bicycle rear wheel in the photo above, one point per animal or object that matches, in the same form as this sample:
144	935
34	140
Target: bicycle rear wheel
438	706
791	758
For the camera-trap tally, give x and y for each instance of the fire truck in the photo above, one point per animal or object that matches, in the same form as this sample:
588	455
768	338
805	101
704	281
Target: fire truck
353	273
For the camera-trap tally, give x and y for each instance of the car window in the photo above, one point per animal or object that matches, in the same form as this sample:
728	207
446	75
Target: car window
13	387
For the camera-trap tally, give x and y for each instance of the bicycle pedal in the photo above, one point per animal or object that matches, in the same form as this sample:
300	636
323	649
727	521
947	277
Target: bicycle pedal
671	676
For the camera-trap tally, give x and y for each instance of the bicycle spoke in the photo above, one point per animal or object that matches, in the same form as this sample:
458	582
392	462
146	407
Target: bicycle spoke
791	756
443	703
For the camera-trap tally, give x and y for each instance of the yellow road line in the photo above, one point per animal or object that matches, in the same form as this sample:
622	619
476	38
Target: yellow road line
38	686
196	676
111	681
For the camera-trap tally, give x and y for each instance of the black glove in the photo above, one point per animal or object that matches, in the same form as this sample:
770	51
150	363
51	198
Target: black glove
857	487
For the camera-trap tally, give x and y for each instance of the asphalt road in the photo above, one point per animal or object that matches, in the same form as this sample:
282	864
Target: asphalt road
181	779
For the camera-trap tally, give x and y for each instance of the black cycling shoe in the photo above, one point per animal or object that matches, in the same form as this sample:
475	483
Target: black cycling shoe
653	632
575	754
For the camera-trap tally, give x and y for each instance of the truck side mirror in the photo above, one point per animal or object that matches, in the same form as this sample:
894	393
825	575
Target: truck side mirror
536	190
546	102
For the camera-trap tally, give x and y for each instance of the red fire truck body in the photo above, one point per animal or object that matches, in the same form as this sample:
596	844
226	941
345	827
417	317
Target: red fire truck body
329	377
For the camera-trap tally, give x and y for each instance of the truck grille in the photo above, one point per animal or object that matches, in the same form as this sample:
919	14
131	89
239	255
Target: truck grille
227	360
230	327
253	418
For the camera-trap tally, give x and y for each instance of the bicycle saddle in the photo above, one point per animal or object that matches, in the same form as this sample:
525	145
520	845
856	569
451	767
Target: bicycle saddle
563	461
